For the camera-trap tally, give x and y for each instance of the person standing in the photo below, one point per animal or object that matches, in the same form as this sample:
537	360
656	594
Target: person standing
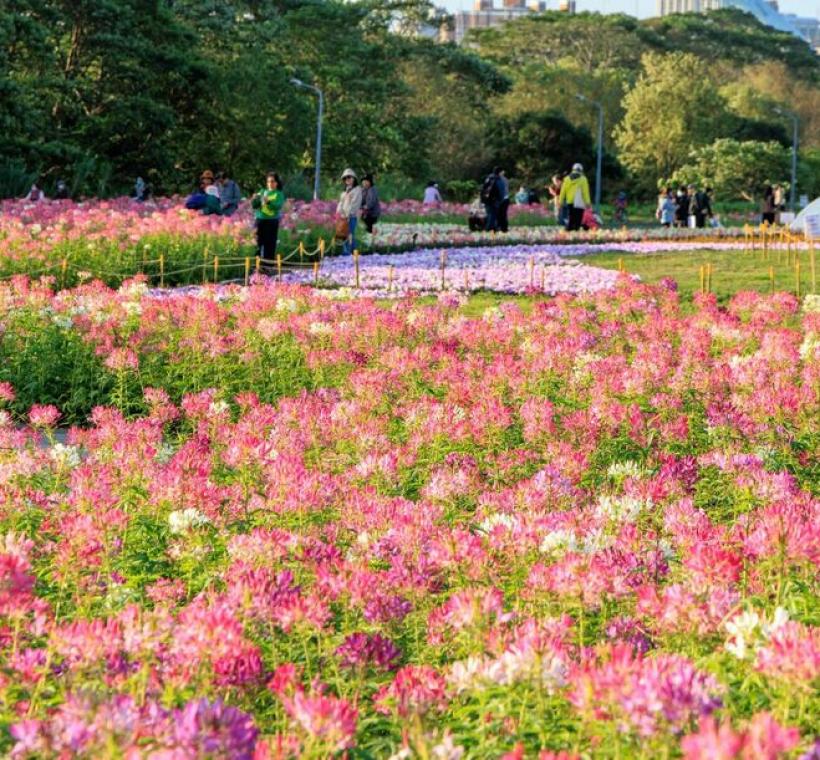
681	207
575	192
666	208
61	193
504	203
139	189
491	198
267	204
768	208
349	208
699	206
431	194
371	208
229	194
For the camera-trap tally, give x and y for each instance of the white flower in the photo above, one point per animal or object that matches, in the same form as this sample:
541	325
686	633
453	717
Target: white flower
510	522
620	509
559	541
132	308
810	346
446	750
164	453
623	470
65	456
182	520
811	302
320	328
779	619
286	304
61	320
218	407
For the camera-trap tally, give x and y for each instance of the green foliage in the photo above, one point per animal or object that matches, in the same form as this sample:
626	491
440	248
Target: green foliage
537	145
673	109
739	169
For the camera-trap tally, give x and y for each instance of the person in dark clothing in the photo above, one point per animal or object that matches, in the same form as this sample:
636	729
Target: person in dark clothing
504	203
768	208
491	198
699	206
229	194
681	208
371	208
62	190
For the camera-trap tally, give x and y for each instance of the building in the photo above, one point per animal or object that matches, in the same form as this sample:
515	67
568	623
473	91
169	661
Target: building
766	11
486	14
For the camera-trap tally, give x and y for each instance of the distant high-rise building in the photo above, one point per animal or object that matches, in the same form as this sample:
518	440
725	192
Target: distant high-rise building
766	11
566	6
485	14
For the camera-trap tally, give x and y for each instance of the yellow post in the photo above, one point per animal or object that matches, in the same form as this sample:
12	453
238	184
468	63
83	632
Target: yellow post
356	265
64	267
543	278
771	277
205	266
390	279
216	269
709	277
279	266
315	272
258	263
797	277
321	248
162	270
467	280
702	279
247	269
443	259
765	236
532	271
620	265
301	250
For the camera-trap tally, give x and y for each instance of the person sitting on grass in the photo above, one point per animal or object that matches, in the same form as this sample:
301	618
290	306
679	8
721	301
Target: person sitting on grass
212	203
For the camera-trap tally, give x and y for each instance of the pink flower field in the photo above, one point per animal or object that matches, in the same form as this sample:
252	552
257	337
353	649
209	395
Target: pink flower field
288	525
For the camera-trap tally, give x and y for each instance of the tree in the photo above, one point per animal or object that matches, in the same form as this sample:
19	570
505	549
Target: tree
672	109
535	145
736	169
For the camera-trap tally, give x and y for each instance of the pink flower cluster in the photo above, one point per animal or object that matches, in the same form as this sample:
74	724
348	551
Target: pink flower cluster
587	526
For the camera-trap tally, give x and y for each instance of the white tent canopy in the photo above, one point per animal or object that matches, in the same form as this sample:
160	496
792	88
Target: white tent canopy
813	209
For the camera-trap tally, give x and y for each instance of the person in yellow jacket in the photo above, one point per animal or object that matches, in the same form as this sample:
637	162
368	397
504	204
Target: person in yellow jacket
575	193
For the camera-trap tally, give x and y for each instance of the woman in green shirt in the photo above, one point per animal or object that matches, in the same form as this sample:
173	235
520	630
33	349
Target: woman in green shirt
267	204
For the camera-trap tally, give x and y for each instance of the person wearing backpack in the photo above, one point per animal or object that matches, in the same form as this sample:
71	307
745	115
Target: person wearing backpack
575	193
491	198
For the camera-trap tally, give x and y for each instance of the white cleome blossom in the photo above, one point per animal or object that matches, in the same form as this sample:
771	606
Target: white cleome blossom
182	520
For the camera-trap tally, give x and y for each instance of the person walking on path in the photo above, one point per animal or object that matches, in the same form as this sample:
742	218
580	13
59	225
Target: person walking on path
699	206
371	208
267	204
349	208
575	192
229	194
504	203
554	189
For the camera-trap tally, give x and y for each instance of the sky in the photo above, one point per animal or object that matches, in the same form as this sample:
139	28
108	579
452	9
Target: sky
640	8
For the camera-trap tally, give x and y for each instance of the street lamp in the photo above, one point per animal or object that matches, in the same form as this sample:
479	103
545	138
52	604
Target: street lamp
600	108
795	124
300	83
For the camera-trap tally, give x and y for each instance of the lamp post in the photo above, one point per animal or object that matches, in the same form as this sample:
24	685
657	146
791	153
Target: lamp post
600	108
795	125
300	83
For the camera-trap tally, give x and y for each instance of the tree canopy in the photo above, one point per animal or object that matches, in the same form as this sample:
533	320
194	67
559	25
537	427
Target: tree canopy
100	91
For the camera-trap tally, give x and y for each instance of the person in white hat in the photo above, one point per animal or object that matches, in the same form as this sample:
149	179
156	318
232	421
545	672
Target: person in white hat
349	208
575	193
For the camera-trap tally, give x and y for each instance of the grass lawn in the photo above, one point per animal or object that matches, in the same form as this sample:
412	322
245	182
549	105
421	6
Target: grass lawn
731	270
